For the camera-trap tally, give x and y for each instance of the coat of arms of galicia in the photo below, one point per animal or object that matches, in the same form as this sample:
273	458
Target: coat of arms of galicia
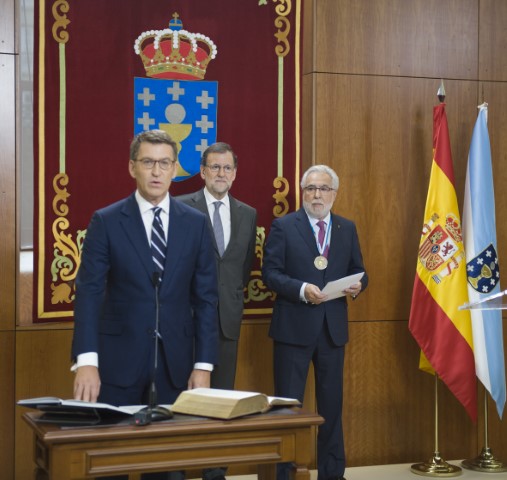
172	100
483	272
442	248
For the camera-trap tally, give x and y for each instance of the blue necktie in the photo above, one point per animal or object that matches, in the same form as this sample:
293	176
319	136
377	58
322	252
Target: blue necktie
218	229
158	242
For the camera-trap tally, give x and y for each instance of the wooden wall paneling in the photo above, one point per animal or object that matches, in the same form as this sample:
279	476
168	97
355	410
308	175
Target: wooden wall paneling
492	40
495	94
255	357
389	402
307	122
7	192
42	369
7	26
376	132
422	38
7	404
309	44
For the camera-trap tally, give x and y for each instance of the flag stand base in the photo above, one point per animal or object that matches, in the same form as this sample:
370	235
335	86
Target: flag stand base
485	462
436	467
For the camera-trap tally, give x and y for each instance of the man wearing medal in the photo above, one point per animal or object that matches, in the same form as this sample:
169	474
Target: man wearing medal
304	251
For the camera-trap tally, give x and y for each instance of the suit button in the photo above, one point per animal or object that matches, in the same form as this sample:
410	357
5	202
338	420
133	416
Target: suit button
149	331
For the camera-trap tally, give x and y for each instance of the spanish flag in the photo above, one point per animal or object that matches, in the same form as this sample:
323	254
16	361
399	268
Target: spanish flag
443	332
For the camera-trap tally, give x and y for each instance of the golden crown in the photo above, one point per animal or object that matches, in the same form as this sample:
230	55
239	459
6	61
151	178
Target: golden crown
174	52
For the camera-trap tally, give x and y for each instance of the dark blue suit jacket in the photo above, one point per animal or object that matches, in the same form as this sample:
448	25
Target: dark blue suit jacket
288	262
115	296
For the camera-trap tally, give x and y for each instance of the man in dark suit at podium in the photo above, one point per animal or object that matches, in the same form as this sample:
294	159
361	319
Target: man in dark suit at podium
233	227
145	244
304	251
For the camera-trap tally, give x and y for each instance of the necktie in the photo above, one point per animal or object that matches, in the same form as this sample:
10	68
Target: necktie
218	229
321	236
158	242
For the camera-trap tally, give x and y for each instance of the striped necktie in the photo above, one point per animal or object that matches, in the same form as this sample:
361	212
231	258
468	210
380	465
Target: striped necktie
158	242
218	229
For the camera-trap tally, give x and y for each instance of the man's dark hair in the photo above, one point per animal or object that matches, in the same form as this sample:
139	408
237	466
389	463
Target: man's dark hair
219	147
152	136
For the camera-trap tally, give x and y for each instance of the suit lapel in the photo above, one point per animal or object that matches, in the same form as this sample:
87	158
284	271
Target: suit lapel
175	239
133	226
236	219
305	229
199	201
200	204
336	233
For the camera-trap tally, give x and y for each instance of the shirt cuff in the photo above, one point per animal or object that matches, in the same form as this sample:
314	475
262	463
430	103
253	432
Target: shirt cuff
302	292
86	359
203	366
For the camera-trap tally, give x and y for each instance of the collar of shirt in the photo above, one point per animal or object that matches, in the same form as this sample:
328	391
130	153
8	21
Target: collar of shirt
313	221
146	210
210	200
145	206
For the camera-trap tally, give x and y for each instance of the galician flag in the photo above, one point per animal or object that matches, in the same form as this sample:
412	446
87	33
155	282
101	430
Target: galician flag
443	332
479	231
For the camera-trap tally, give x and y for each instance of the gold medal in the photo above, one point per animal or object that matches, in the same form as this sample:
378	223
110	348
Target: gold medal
320	262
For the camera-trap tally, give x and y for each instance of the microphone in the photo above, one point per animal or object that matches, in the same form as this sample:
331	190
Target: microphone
153	412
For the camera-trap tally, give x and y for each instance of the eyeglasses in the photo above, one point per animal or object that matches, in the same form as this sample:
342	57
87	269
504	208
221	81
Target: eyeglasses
149	163
323	189
215	168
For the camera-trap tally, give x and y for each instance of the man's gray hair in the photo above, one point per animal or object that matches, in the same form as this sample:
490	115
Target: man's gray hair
335	182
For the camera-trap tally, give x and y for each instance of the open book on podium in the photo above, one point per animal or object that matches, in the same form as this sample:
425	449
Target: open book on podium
497	301
226	404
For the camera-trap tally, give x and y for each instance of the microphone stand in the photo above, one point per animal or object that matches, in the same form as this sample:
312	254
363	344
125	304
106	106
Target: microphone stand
153	412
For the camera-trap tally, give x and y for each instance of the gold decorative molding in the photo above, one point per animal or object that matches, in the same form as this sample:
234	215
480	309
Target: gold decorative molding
59	9
282	23
256	291
281	185
67	252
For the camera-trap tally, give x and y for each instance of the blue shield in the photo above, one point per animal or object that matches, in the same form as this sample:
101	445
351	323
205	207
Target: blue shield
483	272
186	110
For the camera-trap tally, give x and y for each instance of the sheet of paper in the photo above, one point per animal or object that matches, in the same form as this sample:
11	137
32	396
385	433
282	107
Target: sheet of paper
335	288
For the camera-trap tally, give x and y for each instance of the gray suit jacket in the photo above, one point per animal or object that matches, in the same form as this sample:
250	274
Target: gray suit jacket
235	265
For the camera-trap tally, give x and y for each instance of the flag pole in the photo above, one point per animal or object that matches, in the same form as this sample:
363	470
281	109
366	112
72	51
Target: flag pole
479	232
436	466
486	461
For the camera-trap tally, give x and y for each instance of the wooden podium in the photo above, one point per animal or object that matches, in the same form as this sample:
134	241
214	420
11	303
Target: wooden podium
182	443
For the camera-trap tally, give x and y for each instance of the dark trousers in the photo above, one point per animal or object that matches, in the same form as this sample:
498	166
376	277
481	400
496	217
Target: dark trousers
138	394
291	365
